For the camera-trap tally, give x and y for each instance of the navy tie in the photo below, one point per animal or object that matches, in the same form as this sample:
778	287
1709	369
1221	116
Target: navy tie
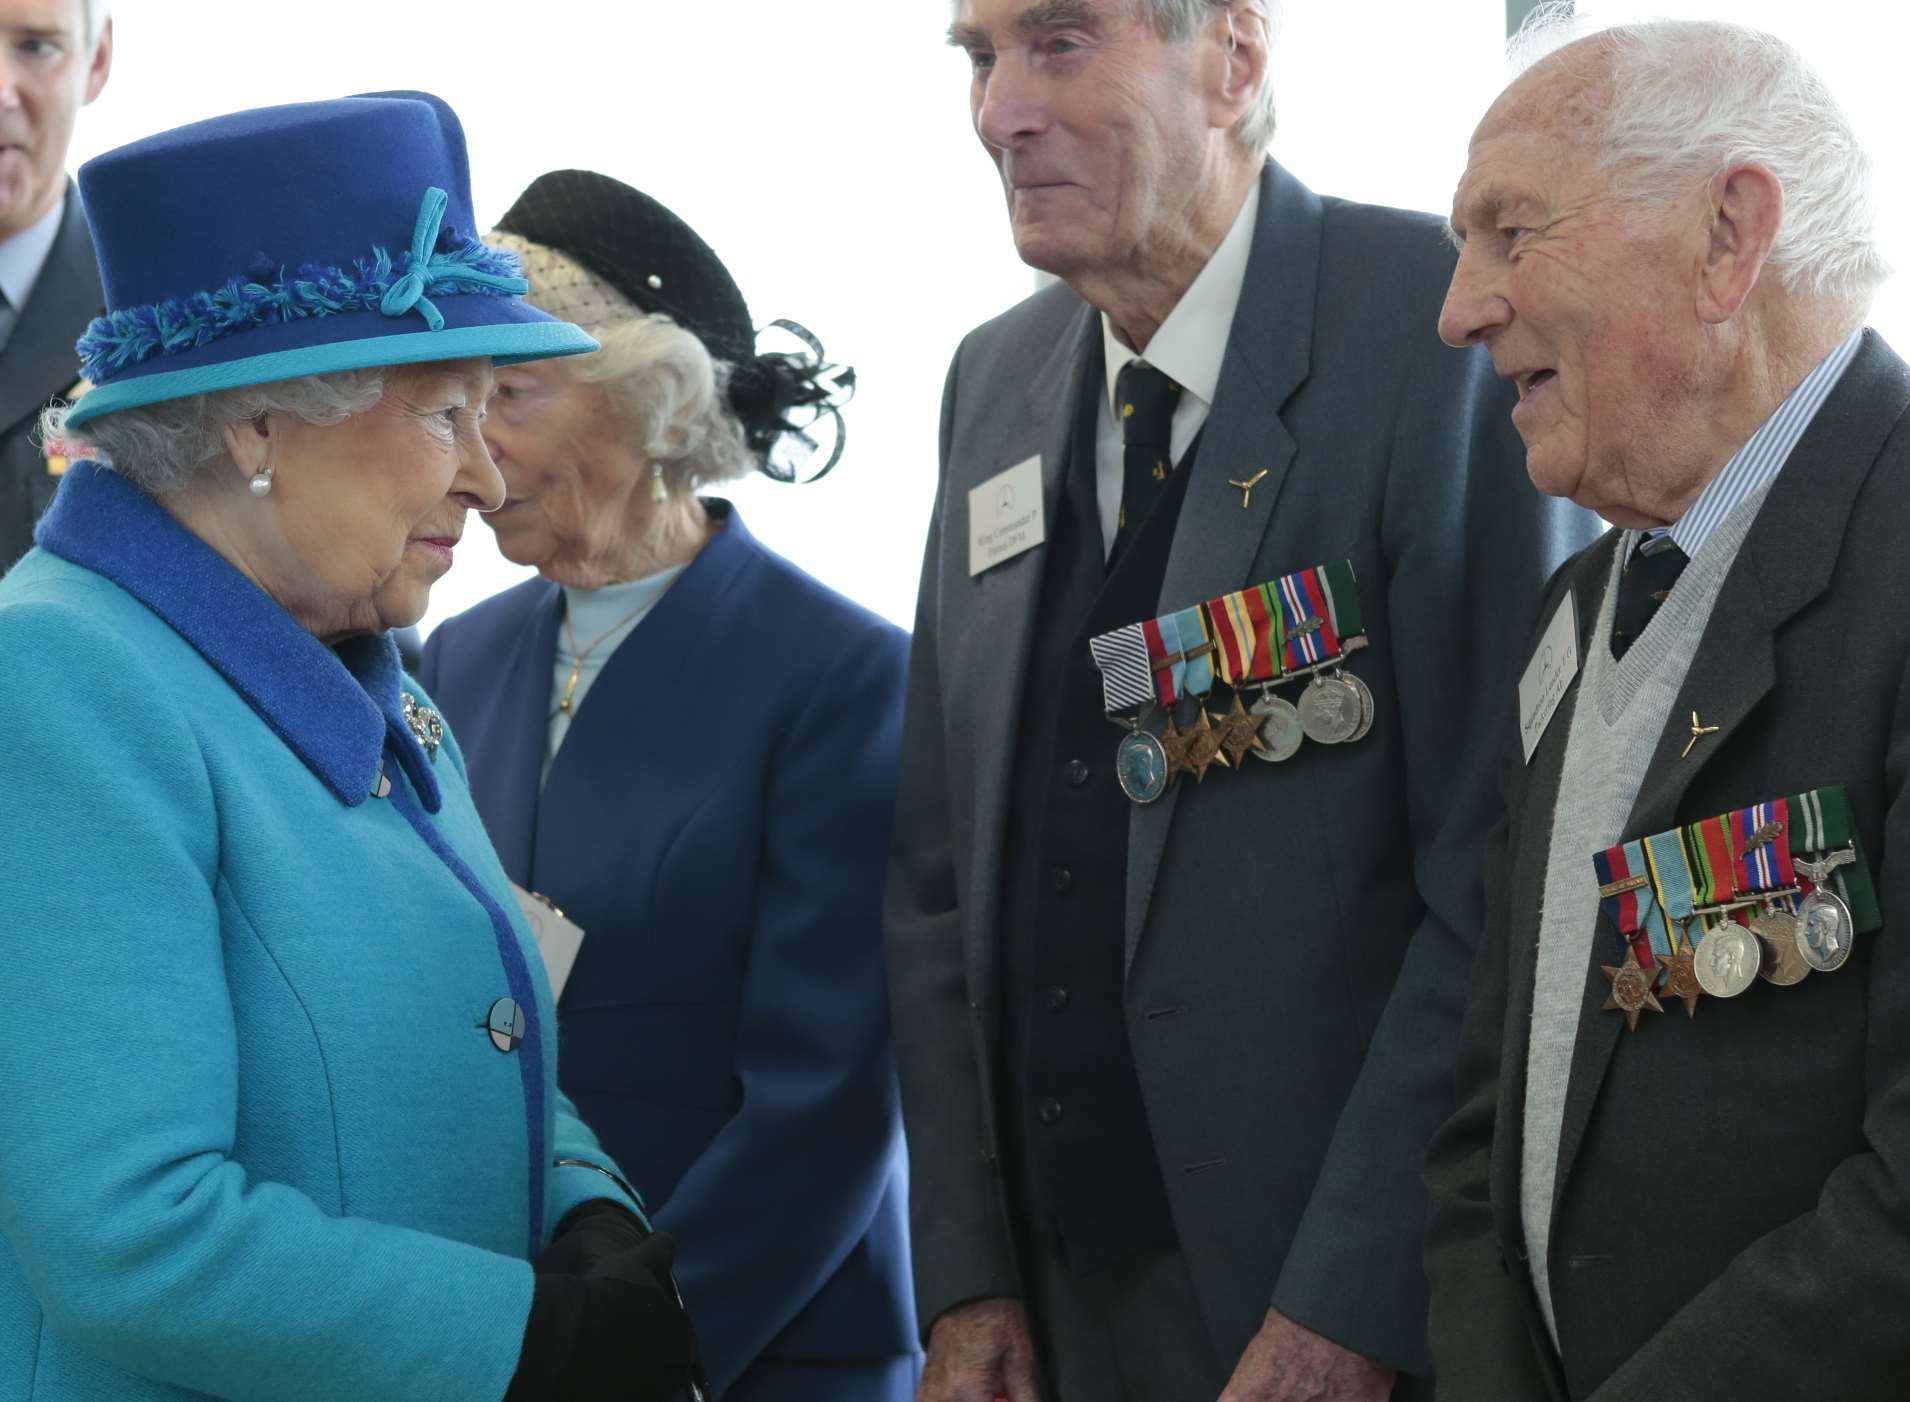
1145	400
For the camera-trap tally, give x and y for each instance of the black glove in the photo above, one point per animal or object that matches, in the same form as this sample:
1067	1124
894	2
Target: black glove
590	1231
615	1333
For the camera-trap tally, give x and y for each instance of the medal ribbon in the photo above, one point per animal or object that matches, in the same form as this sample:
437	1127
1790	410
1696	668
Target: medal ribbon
1825	826
1712	866
1127	681
1671	878
1164	659
1265	613
1232	629
1191	624
1343	598
1277	653
1626	893
1765	865
1309	625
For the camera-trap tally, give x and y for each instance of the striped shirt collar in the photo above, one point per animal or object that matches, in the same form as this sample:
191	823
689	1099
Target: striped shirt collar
1758	461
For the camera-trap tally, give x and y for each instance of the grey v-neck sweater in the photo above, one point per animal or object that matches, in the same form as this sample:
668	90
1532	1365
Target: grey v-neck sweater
1621	712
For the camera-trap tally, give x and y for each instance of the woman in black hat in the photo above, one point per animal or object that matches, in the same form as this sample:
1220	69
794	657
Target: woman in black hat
689	746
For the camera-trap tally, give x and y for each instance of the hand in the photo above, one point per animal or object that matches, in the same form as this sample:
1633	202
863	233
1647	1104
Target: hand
592	1231
613	1330
1287	1363
980	1352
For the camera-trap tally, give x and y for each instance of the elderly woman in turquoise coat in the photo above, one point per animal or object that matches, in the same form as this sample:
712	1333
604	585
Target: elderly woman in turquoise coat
281	1118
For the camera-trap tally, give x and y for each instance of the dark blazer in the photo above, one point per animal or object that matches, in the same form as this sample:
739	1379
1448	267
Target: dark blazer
1730	1219
716	821
39	364
1298	936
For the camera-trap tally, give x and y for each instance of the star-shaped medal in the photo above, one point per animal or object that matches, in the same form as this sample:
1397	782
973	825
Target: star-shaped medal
1175	741
1681	979
1631	990
1203	747
1239	732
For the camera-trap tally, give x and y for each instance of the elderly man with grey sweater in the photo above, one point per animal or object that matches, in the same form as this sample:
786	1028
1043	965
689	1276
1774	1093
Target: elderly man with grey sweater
1667	1177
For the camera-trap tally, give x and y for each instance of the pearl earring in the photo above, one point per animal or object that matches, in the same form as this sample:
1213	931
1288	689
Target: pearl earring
659	490
261	483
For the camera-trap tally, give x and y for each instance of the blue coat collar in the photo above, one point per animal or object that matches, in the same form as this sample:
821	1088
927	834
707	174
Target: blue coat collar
335	709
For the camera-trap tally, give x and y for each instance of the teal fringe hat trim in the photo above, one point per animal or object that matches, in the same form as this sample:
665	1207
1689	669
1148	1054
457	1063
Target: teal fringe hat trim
438	263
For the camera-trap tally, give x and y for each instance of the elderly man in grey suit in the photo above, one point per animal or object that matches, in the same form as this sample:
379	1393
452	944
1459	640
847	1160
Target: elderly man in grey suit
1169	1066
1657	1185
54	58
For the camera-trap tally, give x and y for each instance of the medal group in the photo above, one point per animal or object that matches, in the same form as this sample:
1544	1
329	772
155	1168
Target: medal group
1294	631
1770	892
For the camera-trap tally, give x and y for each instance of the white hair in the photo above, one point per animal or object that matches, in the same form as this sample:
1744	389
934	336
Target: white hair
1686	99
670	391
1180	20
97	13
161	447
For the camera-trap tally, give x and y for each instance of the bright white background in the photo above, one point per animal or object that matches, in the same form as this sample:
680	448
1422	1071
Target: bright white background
823	148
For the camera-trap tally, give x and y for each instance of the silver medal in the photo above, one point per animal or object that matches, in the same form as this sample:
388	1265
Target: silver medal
1280	731
1330	710
1728	960
1366	708
1141	766
1826	930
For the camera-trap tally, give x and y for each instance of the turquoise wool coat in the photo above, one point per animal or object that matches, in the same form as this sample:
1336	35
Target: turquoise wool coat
256	1141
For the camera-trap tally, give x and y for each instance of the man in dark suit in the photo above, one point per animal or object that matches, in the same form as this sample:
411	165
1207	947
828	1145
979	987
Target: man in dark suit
1169	1067
54	58
1666	240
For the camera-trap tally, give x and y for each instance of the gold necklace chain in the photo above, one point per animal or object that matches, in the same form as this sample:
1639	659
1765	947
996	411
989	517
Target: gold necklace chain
578	658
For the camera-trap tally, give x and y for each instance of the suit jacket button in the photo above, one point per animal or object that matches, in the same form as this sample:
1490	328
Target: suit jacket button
1050	1111
1057	999
505	1024
1077	773
1062	879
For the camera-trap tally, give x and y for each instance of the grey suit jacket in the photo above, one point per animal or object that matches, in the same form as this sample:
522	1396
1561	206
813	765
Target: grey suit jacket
1729	1216
38	364
1298	936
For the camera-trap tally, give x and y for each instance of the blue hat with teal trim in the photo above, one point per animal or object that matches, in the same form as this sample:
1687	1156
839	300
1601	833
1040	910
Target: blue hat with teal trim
296	240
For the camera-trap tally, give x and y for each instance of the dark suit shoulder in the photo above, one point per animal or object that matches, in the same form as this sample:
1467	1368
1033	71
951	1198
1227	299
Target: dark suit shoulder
797	619
1042	318
502	612
1401	254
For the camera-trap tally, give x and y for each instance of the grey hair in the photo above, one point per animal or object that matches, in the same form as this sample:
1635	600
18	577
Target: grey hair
161	447
1180	20
1686	99
672	393
97	13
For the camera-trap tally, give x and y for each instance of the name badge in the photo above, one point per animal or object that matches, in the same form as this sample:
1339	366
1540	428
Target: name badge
1549	675
1005	516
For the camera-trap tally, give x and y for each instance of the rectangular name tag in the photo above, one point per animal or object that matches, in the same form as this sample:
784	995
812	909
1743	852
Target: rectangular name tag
1549	675
1005	516
558	938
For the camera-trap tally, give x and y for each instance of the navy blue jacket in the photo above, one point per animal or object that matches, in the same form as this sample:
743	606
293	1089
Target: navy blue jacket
717	821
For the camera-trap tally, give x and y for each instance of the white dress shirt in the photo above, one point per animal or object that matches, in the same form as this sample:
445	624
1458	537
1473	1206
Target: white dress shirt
23	256
1188	349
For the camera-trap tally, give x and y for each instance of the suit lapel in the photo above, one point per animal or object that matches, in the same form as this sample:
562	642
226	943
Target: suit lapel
1007	599
1269	351
39	360
513	738
1785	563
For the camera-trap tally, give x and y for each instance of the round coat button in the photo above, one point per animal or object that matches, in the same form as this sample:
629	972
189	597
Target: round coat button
1050	1111
1077	773
506	1024
1057	999
1063	879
